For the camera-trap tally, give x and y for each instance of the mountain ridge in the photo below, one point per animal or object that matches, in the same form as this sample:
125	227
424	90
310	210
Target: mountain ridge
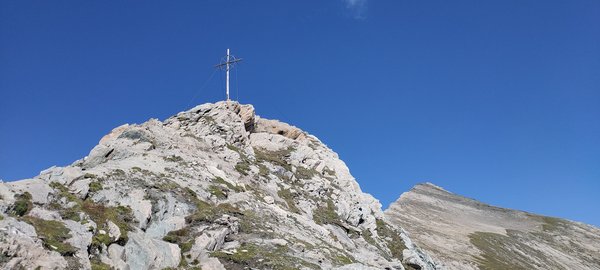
463	233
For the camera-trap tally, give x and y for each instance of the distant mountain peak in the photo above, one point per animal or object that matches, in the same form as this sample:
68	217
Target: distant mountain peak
462	233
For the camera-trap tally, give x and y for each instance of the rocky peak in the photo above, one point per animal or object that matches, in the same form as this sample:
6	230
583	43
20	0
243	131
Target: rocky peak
215	187
428	187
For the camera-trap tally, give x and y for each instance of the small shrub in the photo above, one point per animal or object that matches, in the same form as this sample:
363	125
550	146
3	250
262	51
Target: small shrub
173	158
22	204
118	172
95	186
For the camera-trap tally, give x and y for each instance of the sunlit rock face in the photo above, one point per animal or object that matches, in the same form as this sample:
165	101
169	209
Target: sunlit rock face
214	187
462	233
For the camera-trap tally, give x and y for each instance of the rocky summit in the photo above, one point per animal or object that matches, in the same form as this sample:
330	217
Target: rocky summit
462	233
214	187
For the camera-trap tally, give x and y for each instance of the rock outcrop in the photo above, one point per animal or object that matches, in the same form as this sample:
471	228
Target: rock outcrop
462	233
215	187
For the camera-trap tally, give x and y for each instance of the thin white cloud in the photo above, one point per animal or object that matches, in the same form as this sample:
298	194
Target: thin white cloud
357	8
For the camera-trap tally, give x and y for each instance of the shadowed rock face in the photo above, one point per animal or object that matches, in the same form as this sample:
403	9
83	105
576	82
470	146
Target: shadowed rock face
215	187
462	233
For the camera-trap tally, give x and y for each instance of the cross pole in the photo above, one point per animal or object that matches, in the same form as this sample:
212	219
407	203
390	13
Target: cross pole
230	60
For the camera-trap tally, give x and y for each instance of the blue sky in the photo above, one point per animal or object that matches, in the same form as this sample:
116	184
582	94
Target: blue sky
494	100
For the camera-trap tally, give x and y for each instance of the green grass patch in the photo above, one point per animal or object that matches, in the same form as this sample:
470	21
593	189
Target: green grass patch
274	157
288	197
217	191
392	238
121	216
206	213
263	170
183	238
327	214
498	252
98	265
552	224
243	167
304	173
342	260
63	191
253	256
368	236
53	234
230	186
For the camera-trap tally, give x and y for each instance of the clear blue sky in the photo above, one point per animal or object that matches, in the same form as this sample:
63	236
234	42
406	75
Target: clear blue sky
494	100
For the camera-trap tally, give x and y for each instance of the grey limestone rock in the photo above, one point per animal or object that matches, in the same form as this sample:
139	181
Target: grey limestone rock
216	187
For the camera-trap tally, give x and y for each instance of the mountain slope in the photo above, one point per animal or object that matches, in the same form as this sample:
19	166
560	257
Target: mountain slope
462	233
215	187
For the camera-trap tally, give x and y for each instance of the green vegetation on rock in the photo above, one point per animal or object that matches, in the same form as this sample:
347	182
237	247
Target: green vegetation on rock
182	238
253	256
288	197
392	238
274	157
22	205
230	186
304	173
217	191
173	158
121	216
243	167
327	214
342	260
498	251
95	186
98	265
53	234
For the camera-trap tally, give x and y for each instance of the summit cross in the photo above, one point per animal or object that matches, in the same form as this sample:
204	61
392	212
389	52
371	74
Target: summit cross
228	63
